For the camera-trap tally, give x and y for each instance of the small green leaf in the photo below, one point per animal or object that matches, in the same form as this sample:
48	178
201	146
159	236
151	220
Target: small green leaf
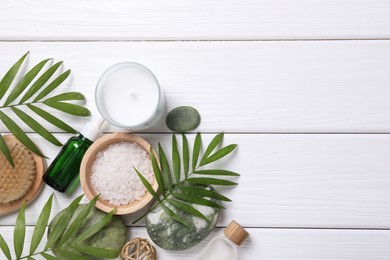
176	217
4	247
4	149
38	84
62	223
157	171
147	185
20	231
186	208
19	134
41	224
196	152
196	200
186	156
48	257
175	159
30	258
53	85
37	127
204	193
94	228
78	221
70	255
217	172
219	154
166	172
211	181
24	82
210	148
97	252
68	108
67	96
5	83
52	119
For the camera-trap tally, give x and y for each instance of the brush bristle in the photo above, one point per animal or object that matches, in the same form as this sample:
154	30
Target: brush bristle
15	182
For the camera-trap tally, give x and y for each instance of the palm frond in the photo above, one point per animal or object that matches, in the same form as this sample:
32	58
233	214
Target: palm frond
43	77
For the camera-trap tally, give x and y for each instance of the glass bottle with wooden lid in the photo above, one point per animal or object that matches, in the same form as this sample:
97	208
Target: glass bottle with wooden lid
224	246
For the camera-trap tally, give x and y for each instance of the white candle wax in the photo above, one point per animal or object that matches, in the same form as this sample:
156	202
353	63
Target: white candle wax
128	95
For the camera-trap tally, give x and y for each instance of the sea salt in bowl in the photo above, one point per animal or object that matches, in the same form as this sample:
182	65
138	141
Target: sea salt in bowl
107	169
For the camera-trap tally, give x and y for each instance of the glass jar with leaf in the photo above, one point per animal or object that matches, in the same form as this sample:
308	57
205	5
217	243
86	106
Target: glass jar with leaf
187	208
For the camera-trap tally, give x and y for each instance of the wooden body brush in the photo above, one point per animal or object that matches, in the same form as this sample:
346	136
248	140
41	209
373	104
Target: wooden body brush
22	182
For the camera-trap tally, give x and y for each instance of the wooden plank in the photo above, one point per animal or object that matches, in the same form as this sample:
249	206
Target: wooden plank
279	244
194	20
331	86
327	181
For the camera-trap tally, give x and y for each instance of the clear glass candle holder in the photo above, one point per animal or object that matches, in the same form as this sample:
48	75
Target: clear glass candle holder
129	96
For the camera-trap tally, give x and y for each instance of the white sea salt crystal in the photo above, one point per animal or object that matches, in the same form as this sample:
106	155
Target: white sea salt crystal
113	174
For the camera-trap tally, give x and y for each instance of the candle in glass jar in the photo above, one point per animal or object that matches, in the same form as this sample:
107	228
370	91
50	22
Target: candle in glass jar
128	95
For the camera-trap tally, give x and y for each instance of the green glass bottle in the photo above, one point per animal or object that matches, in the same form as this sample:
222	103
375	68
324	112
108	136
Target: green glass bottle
64	170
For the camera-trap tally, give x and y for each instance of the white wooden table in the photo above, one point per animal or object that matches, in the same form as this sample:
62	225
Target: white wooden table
302	86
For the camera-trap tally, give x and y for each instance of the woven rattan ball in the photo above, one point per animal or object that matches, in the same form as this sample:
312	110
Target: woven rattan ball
138	249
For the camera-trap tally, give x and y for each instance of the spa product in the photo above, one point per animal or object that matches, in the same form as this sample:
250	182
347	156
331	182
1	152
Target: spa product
128	95
16	181
224	246
64	170
183	119
113	175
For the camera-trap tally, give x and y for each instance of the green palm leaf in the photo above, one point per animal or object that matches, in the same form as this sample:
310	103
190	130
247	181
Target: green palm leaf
94	228
37	127
187	208
68	108
98	252
190	198
78	221
4	149
175	159
19	134
210	148
4	247
62	223
53	85
48	257
216	172
166	172
211	181
204	193
20	231
41	224
38	84
24	82
196	151
52	119
67	96
147	185
5	83
70	255
219	154
157	171
186	156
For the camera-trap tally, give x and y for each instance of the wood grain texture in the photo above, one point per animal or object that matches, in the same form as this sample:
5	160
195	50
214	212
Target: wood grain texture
194	20
281	244
330	86
327	181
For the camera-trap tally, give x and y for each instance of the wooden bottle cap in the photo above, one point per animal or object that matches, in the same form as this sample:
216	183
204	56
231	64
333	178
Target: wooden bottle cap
236	233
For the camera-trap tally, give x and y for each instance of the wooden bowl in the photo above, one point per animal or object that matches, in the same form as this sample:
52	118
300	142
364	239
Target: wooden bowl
33	192
85	173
